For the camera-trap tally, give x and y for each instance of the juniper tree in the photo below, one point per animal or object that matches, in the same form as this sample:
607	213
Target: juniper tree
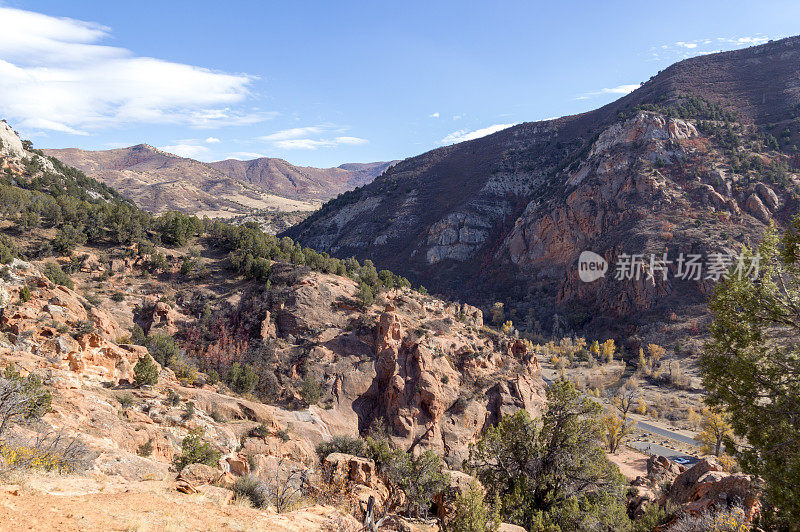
145	371
751	365
553	472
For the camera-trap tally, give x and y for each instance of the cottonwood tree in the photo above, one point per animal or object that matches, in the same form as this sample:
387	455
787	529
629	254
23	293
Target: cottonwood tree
626	398
751	365
609	348
716	433
615	430
617	426
648	364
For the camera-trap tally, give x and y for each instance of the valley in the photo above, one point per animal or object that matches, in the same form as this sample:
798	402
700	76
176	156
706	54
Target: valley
409	345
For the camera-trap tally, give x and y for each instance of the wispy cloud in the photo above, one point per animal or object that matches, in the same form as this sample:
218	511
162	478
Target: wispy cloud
434	115
311	138
192	151
352	141
709	45
462	134
313	144
619	89
245	155
56	75
745	41
213	140
293	133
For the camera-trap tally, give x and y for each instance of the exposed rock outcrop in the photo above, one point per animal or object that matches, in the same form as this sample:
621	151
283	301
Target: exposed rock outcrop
40	326
697	490
705	486
159	315
424	369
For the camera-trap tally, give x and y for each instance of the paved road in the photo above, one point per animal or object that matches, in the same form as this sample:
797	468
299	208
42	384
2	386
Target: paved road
668	433
653	448
660	450
647	427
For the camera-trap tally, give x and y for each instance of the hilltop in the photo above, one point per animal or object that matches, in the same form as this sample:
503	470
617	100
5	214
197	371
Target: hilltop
301	182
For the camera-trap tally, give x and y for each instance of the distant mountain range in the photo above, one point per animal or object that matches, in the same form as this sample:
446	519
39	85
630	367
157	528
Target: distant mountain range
160	181
300	182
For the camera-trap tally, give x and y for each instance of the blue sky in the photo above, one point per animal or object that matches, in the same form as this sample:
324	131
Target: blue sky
323	83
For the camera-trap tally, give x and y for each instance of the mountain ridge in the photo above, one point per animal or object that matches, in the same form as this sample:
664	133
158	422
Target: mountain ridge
300	182
501	218
159	181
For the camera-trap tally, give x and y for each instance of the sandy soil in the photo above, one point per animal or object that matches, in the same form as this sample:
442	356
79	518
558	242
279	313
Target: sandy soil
631	462
144	506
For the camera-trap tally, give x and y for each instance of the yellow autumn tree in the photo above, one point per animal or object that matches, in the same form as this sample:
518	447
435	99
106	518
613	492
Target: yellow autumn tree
715	431
615	429
609	348
649	363
641	406
616	426
580	343
595	349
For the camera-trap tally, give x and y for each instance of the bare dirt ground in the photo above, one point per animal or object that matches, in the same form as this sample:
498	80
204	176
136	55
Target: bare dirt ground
53	503
631	463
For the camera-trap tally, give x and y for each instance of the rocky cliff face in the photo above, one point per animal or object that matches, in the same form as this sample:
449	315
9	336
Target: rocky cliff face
426	370
506	217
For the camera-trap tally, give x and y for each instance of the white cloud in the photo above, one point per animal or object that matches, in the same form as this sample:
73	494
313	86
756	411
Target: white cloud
303	144
313	144
462	134
191	151
212	140
293	133
745	41
245	155
619	89
686	49
300	138
434	115
55	75
352	141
